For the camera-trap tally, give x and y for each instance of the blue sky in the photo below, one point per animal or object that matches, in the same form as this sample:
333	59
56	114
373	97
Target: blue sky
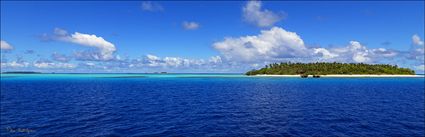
143	36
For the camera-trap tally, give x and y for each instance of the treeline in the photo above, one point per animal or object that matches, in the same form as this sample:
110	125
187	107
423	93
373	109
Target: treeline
323	68
21	72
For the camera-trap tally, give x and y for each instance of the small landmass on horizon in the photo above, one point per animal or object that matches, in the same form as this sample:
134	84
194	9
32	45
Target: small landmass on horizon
21	72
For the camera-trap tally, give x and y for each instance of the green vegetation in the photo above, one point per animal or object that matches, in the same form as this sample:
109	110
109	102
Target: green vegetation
322	68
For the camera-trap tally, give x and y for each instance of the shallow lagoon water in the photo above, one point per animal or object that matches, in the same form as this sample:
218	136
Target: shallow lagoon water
209	105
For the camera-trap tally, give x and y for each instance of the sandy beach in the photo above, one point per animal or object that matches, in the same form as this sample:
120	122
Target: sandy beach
346	76
264	75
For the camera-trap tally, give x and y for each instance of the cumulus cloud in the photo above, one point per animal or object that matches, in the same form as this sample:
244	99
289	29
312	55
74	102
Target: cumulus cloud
151	6
170	63
60	57
105	49
278	44
60	32
190	25
87	55
417	50
417	53
237	54
5	46
325	53
417	40
382	52
273	43
215	59
418	43
253	14
39	64
14	64
91	64
355	52
18	63
53	65
155	61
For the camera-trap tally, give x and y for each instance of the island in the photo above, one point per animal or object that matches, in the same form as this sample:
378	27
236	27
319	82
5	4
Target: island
21	72
334	69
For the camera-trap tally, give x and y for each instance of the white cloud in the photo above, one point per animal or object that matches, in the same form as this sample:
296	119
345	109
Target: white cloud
238	54
152	57
385	52
215	59
89	55
47	64
60	57
5	46
173	61
420	68
51	65
18	63
14	64
273	43
90	64
155	61
354	52
417	40
359	52
325	53
60	32
361	57
277	44
418	43
417	50
152	61
253	13
151	6
190	25
105	48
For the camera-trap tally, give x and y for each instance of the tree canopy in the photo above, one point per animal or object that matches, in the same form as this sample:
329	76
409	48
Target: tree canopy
325	68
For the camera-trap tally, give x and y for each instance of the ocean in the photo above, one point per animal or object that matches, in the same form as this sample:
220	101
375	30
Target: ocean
209	105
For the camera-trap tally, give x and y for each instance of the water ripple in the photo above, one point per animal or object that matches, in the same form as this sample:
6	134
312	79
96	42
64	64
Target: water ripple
202	106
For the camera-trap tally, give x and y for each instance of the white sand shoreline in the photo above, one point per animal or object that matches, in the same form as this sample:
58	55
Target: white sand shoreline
346	76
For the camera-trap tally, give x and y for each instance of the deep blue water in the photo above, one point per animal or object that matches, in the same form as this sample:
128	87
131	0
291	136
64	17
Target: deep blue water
209	105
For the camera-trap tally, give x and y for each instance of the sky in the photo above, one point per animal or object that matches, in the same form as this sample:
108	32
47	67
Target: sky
206	36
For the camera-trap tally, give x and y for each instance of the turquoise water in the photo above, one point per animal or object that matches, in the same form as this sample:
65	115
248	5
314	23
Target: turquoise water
105	75
209	105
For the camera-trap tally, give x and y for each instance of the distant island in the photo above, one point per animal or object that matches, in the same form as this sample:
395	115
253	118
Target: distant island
21	72
324	68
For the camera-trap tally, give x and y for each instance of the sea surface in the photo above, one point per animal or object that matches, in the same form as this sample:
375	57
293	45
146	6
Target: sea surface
209	105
